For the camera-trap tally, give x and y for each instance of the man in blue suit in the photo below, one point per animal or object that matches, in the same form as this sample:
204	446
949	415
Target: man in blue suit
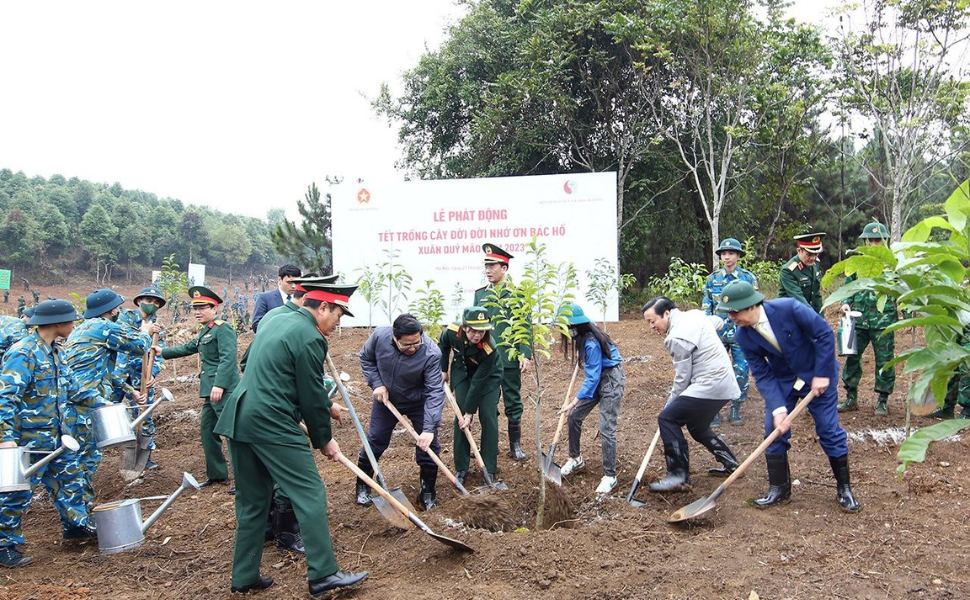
787	344
285	286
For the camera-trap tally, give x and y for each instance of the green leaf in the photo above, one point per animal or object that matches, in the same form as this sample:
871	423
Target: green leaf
914	449
957	206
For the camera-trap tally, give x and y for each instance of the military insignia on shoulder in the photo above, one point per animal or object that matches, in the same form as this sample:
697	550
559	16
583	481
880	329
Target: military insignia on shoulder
454	327
793	266
218	321
488	349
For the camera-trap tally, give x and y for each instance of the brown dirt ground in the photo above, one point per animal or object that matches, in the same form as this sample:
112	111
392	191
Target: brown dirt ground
910	541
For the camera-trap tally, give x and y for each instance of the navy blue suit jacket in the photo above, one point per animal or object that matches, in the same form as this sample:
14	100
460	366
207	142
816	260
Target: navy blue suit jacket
807	350
265	302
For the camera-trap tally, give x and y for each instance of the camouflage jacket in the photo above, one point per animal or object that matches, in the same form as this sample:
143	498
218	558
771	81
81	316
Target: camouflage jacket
12	330
712	296
34	384
866	303
128	367
92	350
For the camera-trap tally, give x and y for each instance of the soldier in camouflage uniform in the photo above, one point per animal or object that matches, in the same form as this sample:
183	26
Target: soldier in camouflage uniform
958	388
21	305
36	296
493	297
12	330
801	277
91	351
35	385
128	368
6	296
730	251
869	328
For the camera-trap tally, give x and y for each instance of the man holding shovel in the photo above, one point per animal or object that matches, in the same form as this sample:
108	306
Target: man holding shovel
787	343
403	367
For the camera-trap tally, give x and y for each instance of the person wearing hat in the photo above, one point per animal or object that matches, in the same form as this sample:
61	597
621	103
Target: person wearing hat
801	277
282	385
791	351
92	351
494	297
402	366
470	364
129	368
13	329
703	383
729	252
34	382
603	384
267	301
869	328
215	344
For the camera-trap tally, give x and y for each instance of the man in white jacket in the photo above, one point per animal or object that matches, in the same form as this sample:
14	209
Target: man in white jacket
703	383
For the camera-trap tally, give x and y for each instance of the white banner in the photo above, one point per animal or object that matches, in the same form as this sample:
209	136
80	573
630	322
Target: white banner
196	274
437	229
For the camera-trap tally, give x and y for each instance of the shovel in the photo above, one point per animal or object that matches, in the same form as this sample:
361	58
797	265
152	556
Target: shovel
437	460
703	505
550	469
498	485
385	495
643	469
388	511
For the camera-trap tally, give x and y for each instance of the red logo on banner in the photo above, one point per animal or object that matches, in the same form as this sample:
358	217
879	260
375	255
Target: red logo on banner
363	196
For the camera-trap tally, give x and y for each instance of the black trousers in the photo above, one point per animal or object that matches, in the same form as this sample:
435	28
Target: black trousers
695	413
382	424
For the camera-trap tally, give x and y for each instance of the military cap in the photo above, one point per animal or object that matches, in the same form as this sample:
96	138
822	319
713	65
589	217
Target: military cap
494	254
299	281
731	244
199	294
575	315
331	293
810	242
149	292
874	231
52	312
739	295
101	301
477	318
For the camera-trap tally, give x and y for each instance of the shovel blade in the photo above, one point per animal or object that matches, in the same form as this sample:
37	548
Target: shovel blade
393	515
444	540
694	509
925	405
551	470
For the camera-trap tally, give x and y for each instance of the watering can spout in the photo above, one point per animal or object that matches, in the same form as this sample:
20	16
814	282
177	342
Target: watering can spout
187	482
165	396
67	443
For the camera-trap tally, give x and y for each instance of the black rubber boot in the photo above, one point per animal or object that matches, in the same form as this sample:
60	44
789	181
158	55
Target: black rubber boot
460	476
287	528
678	469
515	437
723	454
779	481
270	534
840	467
716	421
734	417
362	495
427	498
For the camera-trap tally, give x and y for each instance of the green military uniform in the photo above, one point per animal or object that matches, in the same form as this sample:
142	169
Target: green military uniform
494	299
869	328
216	346
475	375
800	281
958	388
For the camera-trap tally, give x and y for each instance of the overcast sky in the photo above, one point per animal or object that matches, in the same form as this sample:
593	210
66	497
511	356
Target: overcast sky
236	105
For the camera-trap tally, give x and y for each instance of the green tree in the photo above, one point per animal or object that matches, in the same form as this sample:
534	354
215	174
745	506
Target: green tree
231	246
98	236
308	243
193	233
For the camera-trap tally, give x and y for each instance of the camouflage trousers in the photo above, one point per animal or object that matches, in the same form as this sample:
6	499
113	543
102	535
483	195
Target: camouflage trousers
77	422
148	425
884	349
63	480
958	390
741	369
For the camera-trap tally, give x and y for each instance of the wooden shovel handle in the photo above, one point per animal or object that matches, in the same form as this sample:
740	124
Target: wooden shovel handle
799	408
147	362
646	459
414	434
468	434
565	401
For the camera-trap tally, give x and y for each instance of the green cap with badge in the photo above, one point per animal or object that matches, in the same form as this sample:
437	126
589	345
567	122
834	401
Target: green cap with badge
874	231
477	318
809	242
494	254
201	295
739	295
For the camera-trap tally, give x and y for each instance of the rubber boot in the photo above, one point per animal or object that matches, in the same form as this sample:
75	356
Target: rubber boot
881	406
427	499
515	437
270	534
840	467
723	454
460	476
678	469
716	421
734	417
287	528
779	481
851	401
362	495
964	413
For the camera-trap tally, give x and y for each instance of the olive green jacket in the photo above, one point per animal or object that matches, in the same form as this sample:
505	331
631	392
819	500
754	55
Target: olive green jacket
801	282
478	362
216	346
485	297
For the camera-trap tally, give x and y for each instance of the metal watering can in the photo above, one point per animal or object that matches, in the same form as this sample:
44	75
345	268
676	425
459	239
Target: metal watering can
15	467
846	336
119	523
112	426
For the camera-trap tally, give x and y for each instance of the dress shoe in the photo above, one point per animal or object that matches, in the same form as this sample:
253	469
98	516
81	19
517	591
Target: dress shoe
337	580
261	584
209	482
232	490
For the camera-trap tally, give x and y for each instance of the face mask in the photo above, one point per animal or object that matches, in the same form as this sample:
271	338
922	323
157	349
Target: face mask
114	318
148	308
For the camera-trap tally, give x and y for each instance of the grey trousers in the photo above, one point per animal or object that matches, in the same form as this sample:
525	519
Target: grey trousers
608	395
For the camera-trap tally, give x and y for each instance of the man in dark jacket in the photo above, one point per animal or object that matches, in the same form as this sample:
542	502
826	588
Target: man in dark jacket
283	293
403	367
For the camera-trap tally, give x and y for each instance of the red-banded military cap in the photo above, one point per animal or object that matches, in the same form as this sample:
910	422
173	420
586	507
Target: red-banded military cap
810	242
331	294
299	281
199	294
494	254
